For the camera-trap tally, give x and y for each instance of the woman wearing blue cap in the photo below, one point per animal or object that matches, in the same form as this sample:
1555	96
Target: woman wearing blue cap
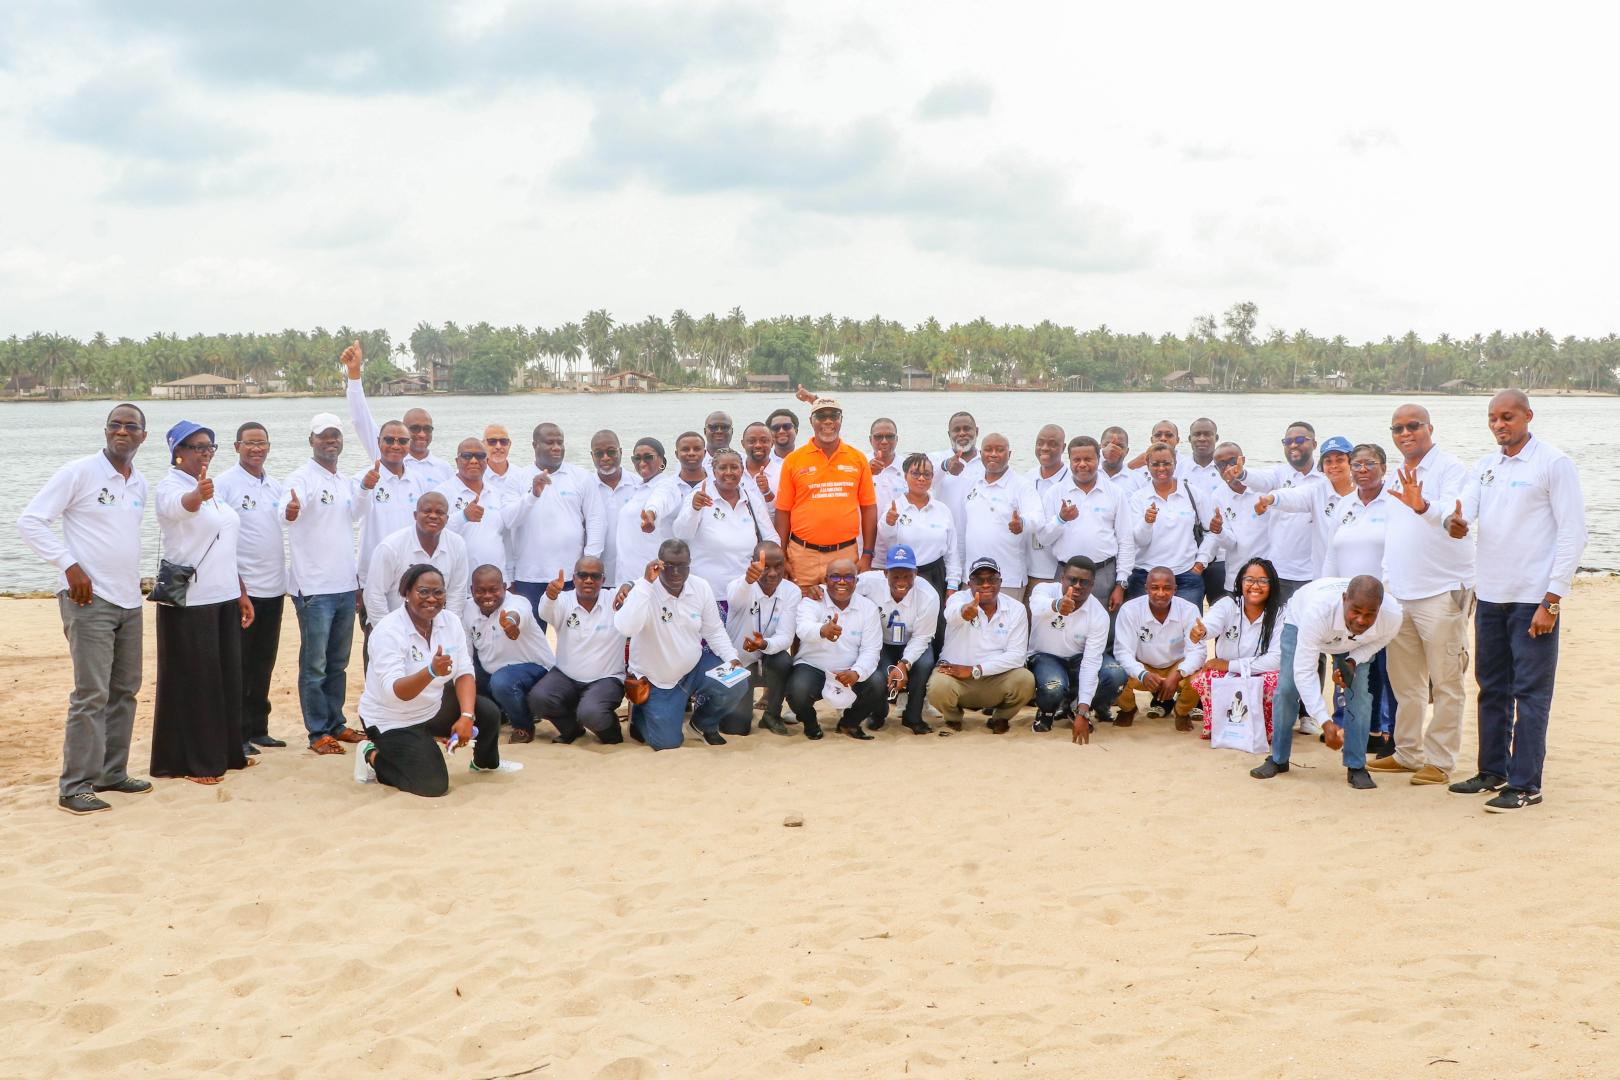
197	725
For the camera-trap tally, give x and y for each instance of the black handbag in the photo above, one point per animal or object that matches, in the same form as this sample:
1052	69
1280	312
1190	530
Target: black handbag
174	579
1198	523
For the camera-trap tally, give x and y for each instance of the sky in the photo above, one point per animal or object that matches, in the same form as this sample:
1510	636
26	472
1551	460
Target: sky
190	165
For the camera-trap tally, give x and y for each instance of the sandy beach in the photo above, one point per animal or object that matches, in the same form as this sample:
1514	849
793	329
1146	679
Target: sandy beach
965	906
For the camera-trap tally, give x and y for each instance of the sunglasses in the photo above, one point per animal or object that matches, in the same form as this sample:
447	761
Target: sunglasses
473	455
1411	427
116	425
606	452
884	438
841	577
395	440
588	575
199	448
718	427
642	459
827	415
784	427
1297	440
1365	466
498	442
419	429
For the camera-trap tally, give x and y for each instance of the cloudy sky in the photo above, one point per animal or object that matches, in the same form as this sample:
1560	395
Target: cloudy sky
196	165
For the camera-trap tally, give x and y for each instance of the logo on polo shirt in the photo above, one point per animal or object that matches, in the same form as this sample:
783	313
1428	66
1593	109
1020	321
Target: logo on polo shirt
572	622
107	498
1057	622
665	615
1487	478
719	514
381	494
248	503
416	654
1144	635
971	495
326	497
1349	516
477	634
461	502
1231	632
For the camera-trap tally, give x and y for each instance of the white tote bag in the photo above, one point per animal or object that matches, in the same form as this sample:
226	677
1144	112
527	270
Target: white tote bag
1237	705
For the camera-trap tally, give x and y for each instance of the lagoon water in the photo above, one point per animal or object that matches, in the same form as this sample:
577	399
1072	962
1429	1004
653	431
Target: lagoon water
37	437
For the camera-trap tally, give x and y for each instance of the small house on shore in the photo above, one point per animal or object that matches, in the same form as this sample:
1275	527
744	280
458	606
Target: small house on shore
628	382
767	382
193	387
1185	380
916	378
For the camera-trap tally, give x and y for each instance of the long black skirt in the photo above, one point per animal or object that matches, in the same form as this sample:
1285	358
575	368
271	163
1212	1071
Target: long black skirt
197	726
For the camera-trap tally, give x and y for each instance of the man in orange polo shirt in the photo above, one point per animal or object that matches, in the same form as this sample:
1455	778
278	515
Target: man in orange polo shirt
825	502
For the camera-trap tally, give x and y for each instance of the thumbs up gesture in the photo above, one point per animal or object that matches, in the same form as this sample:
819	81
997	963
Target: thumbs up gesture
511	624
700	497
554	588
830	629
1016	525
351	359
1069	601
1152	514
1068	511
1217	523
369	480
649	520
955	465
205	486
541	479
893	515
440	663
806	395
1196	634
292	506
763	479
970	611
474	510
1456	524
755	571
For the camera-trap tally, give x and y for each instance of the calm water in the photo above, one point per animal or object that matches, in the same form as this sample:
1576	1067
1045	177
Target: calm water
36	438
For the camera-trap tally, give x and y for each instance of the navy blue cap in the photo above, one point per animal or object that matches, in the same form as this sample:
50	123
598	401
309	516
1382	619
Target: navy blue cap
1338	444
184	430
902	557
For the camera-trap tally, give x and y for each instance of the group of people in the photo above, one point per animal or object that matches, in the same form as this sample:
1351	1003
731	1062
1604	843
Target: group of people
491	593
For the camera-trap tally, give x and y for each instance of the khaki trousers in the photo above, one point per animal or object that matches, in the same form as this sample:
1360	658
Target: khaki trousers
1005	693
1186	696
1430	651
806	567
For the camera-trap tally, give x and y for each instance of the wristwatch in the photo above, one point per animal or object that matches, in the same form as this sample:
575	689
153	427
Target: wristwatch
978	672
1552	608
467	716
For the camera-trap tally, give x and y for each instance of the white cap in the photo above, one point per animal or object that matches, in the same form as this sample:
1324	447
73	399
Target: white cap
323	421
836	693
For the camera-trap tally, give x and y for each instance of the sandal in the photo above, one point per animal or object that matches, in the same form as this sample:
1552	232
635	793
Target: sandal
252	761
206	781
327	745
349	735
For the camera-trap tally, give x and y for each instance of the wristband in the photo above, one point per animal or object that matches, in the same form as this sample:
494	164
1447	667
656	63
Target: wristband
467	716
868	551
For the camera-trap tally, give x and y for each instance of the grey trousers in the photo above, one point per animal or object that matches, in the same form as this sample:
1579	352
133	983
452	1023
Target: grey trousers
104	641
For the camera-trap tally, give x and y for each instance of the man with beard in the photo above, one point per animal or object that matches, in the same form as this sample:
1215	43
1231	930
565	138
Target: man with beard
612	490
475	507
1292	535
784	425
956	469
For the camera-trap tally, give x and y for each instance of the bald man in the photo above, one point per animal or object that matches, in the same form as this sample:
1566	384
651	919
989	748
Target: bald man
427	470
1051	470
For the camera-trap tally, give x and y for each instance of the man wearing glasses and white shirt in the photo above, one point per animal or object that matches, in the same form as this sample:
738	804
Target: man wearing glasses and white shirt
475	508
1293	536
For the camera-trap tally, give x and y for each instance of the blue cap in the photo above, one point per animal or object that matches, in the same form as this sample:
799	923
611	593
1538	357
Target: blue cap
182	431
902	557
1338	444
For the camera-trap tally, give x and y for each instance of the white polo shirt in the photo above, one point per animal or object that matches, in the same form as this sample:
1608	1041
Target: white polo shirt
1235	637
634	549
485	538
774	617
397	650
550	533
100	513
1101	529
721	536
1320	501
930	532
1293	536
402	550
1421	559
488	637
589	646
667	632
1531	522
952	490
426	472
1244	534
1358	533
613	499
1168	540
1082	632
390	507
995	643
859	645
915	617
261	547
1141	640
321	542
987	509
205	539
1317	611
1041	562
890	485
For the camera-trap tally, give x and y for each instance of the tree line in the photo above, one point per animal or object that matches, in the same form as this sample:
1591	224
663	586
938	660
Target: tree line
1225	352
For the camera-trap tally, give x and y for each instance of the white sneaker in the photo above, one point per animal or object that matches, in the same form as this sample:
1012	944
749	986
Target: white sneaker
504	766
363	772
1310	726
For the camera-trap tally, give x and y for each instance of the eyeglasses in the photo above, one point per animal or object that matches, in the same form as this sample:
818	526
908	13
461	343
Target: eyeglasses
841	577
1225	463
784	427
199	448
587	575
427	592
605	452
1411	427
254	444
1250	582
473	455
1365	466
395	440
118	425
643	459
884	438
718	427
419	429
1297	440
498	442
828	414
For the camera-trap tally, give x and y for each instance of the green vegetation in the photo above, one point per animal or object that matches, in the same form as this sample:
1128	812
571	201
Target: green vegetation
1217	353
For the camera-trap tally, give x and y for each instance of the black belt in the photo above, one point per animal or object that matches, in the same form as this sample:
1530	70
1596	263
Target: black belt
823	548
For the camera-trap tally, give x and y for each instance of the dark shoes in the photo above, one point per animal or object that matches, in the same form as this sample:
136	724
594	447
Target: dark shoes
773	724
1043	722
877	722
520	735
250	750
921	727
998	727
812	730
1125	718
1478	784
1359	779
1267	769
266	740
128	786
1512	799
81	804
713	738
854	731
611	735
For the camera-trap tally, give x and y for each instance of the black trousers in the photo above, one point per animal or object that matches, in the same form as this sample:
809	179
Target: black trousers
1214	582
575	707
409	759
197	720
259	644
804	690
916	682
934	574
770	671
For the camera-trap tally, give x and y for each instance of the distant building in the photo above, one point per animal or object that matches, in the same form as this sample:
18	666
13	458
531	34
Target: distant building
916	378
768	382
404	384
193	387
1185	380
629	382
1459	386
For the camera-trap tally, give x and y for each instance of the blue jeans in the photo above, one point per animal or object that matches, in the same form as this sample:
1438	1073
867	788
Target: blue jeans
1382	718
1515	675
659	720
326	635
1057	682
1285	705
509	688
1189	586
532	591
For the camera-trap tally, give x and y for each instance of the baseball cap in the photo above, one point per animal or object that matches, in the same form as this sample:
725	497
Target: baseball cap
184	430
1336	445
825	403
902	557
323	421
984	562
835	693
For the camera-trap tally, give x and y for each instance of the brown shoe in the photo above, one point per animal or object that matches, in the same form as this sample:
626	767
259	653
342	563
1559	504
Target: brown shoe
1430	775
349	735
1184	723
1125	718
1388	764
998	727
519	735
327	745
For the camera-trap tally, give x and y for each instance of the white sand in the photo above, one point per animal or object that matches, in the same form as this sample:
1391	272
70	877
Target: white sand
963	906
